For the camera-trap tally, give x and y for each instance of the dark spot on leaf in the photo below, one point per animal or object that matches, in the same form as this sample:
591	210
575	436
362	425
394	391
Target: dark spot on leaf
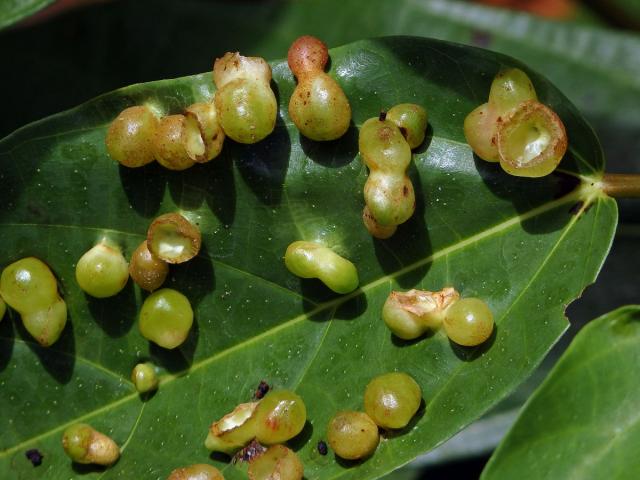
262	390
405	191
322	447
34	456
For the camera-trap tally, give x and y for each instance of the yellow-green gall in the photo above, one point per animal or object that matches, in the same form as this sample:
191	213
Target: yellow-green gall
531	141
468	322
277	463
166	318
102	271
374	228
352	435
410	314
318	106
145	377
279	417
147	270
388	193
411	119
312	260
209	145
130	136
234	430
29	287
46	325
246	105
392	399
177	142
198	471
173	239
515	129
83	444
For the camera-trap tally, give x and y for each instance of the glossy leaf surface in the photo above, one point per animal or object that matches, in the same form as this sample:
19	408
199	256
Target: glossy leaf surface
589	404
509	241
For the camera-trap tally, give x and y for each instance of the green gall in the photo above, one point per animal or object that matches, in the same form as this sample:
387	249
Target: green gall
130	137
318	106
102	271
198	471
173	239
234	430
515	129
145	377
312	260
279	417
46	325
468	322
277	463
83	444
352	435
209	145
177	142
147	270
411	314
388	192
166	318
245	103
412	120
374	228
392	399
531	141
28	285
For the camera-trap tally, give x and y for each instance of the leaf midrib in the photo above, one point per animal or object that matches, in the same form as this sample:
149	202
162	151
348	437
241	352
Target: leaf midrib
584	191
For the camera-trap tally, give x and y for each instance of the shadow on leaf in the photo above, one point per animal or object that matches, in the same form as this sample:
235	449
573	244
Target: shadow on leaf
335	153
264	165
144	187
6	339
115	315
59	359
469	354
180	358
409	245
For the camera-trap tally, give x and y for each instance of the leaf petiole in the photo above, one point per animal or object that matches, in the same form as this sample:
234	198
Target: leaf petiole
621	185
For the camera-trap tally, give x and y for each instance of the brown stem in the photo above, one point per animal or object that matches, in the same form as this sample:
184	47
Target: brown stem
621	185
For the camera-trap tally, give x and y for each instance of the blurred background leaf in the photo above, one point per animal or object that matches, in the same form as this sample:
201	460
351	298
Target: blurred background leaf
587	404
12	11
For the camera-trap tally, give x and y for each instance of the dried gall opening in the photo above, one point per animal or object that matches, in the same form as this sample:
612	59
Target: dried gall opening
531	141
173	238
193	141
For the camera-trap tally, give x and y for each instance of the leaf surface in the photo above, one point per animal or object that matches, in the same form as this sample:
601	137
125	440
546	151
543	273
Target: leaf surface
510	241
589	403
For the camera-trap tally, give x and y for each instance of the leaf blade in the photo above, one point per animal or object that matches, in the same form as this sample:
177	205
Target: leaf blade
254	320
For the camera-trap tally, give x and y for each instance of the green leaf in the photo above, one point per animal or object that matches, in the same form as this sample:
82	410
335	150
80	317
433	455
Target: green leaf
12	11
589	404
509	240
